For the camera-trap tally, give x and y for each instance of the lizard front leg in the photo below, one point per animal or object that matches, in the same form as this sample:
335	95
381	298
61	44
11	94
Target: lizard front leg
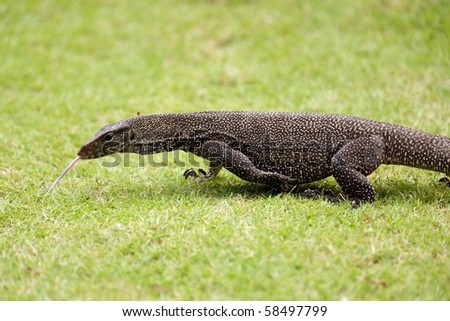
240	165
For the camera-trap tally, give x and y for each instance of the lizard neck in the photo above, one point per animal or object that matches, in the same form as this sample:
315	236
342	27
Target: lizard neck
153	147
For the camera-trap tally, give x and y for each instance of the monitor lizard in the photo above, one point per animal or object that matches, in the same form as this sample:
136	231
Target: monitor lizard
279	149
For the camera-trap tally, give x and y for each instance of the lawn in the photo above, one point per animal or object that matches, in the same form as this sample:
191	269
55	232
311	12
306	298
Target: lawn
143	232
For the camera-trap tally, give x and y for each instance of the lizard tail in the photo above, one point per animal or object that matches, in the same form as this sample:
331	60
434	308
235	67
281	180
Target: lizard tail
418	149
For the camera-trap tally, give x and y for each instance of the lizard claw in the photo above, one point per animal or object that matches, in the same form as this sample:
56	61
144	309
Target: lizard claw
445	180
198	177
356	203
190	172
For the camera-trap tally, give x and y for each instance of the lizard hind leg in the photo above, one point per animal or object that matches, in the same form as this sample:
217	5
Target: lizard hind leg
353	162
239	164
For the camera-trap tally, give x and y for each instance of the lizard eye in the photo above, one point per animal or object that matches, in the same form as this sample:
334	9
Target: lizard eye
108	137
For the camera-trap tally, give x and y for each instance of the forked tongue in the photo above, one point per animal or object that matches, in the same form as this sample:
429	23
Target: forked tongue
72	163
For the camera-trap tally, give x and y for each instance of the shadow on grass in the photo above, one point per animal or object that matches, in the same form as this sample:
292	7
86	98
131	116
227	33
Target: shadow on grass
388	192
401	191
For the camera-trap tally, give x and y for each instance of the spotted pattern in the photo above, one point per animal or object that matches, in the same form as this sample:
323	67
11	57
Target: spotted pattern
279	149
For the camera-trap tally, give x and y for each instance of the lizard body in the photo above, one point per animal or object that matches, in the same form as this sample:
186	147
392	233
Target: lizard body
280	149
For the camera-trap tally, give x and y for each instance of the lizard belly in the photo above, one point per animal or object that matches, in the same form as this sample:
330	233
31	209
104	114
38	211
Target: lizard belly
306	162
303	174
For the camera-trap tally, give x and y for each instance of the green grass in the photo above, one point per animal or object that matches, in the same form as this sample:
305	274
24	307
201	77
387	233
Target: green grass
69	67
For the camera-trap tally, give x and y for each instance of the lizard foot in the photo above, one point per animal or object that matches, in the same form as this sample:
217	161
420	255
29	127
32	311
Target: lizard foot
333	198
327	195
340	197
445	180
311	193
198	177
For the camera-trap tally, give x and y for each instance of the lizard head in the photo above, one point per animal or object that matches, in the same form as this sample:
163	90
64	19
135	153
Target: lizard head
113	138
142	134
